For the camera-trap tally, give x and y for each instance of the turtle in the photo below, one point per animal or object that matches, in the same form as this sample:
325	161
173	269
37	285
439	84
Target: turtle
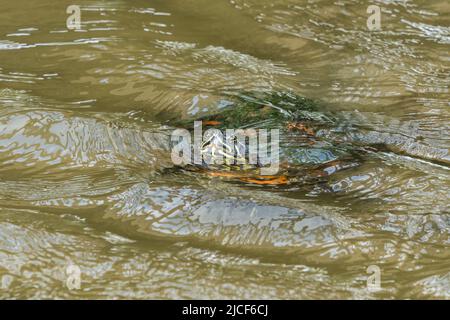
305	154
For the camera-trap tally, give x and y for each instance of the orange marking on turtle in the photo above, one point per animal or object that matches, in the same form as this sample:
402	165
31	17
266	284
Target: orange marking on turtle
211	122
301	127
274	180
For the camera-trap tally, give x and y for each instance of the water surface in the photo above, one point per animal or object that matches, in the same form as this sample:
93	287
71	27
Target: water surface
86	180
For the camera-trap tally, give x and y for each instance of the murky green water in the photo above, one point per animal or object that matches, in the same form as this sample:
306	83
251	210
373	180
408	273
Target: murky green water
81	182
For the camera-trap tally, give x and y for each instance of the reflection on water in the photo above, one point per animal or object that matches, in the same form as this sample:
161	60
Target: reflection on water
86	178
